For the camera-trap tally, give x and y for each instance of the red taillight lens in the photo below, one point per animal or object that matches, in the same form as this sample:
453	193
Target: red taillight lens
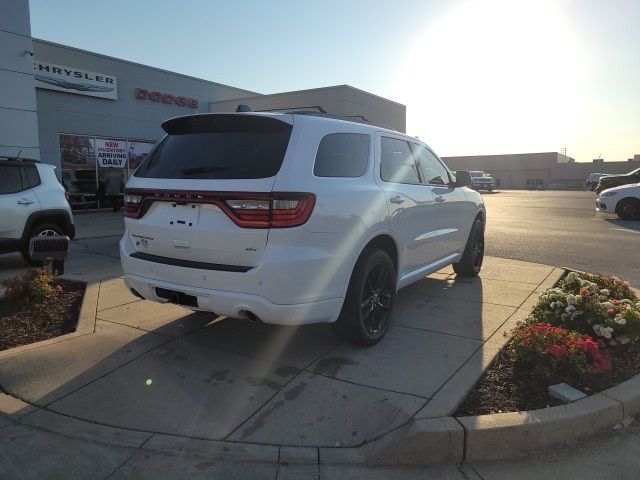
291	209
249	212
132	204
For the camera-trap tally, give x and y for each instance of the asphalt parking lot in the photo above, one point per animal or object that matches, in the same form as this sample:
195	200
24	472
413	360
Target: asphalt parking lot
561	228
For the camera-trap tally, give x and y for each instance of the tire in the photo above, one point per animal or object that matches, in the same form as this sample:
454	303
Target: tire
470	263
628	209
39	229
368	305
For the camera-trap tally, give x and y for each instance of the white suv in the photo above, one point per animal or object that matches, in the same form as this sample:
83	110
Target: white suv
32	202
293	219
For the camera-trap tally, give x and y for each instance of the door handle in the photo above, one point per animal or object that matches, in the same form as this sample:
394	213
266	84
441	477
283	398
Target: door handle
439	199
25	201
396	199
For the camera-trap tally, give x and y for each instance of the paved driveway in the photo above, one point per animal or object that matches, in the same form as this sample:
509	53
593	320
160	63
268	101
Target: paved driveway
164	370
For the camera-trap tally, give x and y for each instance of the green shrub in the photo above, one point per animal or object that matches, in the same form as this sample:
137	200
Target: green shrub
553	354
34	286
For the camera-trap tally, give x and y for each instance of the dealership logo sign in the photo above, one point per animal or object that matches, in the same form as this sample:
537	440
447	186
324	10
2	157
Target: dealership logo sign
143	94
73	80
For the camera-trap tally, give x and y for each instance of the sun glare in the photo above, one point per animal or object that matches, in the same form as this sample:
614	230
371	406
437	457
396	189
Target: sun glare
494	77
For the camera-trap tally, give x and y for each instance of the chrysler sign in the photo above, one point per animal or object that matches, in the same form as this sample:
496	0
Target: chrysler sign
74	80
143	94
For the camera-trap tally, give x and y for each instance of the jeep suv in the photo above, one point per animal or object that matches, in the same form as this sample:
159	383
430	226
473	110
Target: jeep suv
32	202
294	218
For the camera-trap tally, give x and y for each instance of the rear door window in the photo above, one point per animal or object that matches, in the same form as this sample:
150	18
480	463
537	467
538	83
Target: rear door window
219	147
397	163
342	155
10	179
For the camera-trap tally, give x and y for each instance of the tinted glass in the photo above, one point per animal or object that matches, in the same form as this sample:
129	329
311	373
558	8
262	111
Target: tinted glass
433	171
10	181
30	177
219	147
397	164
342	155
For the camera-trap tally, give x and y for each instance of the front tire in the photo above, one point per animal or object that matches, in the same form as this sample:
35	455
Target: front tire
628	209
470	263
366	312
42	229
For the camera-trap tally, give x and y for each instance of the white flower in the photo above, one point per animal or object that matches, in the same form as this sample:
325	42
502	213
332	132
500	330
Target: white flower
570	309
594	286
607	304
606	332
620	320
573	276
624	340
571	299
564	316
605	292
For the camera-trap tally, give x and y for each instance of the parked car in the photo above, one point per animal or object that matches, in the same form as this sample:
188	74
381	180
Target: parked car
624	201
32	202
610	181
294	219
482	181
592	180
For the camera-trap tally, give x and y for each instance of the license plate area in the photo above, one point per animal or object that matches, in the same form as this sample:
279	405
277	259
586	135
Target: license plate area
178	298
184	216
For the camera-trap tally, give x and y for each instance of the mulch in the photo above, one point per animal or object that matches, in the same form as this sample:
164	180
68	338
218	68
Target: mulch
505	389
24	323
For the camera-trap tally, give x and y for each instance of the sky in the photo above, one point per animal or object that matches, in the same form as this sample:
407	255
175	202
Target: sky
477	76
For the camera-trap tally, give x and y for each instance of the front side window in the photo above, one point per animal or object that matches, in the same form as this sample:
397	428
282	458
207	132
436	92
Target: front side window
342	155
433	171
10	180
397	163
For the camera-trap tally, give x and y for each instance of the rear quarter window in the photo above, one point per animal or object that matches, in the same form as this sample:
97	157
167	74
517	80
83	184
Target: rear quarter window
342	155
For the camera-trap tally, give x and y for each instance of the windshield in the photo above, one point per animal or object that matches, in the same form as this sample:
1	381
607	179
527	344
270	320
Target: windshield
477	173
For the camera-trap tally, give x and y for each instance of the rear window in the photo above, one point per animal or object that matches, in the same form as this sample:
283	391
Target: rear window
219	147
342	155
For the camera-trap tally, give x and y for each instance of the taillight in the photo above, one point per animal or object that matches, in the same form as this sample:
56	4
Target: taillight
279	210
247	210
132	204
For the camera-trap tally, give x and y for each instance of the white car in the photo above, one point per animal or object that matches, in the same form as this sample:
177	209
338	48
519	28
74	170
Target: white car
481	180
624	201
32	202
294	219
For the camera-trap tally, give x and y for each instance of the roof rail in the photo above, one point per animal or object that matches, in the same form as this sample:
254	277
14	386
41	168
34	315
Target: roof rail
320	113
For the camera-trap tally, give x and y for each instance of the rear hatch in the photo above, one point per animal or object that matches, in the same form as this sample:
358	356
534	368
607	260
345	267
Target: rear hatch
204	194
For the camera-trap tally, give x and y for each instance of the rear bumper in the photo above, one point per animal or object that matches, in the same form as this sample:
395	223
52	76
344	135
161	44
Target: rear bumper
235	305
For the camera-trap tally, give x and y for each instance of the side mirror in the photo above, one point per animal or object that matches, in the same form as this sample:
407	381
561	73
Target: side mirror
463	179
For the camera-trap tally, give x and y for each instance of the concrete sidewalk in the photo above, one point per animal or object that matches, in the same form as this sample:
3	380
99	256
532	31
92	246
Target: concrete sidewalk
163	369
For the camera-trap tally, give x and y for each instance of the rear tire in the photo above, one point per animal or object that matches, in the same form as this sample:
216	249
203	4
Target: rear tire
628	209
49	229
470	263
368	305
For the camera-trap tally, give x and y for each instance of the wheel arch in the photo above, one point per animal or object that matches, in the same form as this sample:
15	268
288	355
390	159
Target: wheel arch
59	217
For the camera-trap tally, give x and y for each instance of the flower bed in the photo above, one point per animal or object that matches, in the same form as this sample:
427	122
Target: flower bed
585	332
36	307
